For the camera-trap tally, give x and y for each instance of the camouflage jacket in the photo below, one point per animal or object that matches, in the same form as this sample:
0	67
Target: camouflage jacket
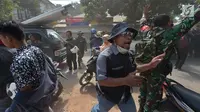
160	40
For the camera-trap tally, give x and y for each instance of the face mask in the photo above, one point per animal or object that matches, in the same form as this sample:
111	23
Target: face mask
122	50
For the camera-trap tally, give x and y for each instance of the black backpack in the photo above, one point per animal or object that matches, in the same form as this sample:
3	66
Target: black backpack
36	100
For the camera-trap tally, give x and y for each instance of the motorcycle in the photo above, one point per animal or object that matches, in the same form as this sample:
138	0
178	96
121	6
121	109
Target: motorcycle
11	88
90	68
60	86
181	98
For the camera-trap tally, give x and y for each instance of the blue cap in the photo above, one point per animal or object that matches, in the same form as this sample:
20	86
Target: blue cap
120	28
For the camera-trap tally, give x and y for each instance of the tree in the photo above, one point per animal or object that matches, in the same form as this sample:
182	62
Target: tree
94	9
76	10
6	8
29	6
130	8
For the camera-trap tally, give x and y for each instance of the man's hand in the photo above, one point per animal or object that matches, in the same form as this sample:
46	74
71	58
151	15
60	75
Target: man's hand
156	60
133	80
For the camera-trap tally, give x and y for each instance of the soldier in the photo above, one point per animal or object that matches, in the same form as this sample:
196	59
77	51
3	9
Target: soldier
82	45
163	38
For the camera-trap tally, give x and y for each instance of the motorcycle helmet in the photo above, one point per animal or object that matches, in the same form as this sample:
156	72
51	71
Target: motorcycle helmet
93	31
99	34
120	28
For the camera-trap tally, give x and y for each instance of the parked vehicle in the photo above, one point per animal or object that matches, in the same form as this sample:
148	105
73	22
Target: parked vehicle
179	98
59	89
51	42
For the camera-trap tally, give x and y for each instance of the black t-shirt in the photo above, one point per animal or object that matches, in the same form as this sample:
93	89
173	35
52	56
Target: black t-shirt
69	45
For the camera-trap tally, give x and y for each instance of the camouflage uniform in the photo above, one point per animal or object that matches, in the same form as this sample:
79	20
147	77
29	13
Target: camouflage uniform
162	41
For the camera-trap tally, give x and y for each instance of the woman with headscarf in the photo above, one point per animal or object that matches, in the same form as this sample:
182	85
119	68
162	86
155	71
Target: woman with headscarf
106	43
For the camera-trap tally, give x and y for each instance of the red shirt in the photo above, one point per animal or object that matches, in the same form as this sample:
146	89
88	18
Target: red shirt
1	43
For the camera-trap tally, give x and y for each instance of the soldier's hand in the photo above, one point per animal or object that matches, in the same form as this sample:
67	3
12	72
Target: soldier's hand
133	80
146	9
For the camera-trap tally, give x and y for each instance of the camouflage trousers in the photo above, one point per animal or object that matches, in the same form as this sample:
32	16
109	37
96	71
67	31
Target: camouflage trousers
151	92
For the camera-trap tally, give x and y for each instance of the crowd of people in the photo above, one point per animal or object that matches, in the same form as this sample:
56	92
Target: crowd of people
98	40
116	66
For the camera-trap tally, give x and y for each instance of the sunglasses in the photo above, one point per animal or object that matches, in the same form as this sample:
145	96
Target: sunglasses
127	33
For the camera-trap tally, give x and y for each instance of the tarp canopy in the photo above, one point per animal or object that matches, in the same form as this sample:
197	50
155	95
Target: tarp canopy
48	17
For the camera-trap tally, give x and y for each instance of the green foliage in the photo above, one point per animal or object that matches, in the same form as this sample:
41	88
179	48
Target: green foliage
31	5
6	8
198	1
130	8
94	9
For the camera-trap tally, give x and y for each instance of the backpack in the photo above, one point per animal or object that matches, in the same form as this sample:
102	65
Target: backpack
40	98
